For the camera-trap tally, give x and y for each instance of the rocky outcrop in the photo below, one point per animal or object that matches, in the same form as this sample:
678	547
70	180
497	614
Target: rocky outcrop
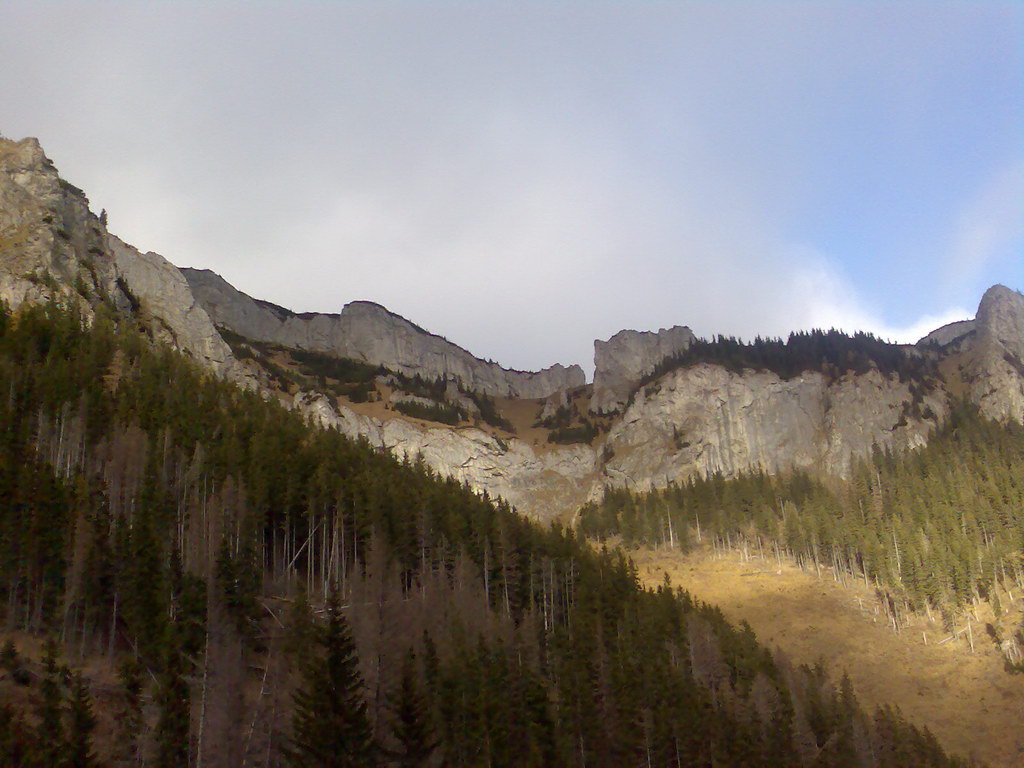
995	359
622	361
177	319
368	332
947	334
542	484
51	245
704	419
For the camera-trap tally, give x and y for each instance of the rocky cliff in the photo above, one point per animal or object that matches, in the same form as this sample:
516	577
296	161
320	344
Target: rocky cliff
539	482
53	246
50	243
624	359
704	419
370	333
994	369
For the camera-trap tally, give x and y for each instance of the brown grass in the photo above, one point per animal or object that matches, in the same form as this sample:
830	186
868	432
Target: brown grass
967	700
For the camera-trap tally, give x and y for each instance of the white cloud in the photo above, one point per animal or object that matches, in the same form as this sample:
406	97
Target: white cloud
828	301
989	226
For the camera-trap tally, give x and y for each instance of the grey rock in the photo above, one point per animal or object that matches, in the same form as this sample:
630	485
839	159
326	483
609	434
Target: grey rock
368	332
624	359
542	484
553	403
175	316
995	359
704	419
51	245
947	334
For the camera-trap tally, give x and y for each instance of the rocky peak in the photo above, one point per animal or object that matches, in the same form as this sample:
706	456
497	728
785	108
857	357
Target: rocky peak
50	242
624	359
52	245
1001	318
995	361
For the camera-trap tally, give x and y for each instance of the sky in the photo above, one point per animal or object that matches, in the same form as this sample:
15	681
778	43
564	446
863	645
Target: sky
524	178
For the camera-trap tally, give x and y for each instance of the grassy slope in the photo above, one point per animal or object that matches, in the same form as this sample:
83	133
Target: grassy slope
967	700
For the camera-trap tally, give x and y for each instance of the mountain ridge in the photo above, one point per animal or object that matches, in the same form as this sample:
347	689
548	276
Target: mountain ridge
620	432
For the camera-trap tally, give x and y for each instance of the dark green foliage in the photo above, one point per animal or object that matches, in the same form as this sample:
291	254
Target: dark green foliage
239	581
830	352
133	300
173	705
50	730
432	389
342	369
341	376
129	717
567	427
330	728
583	433
489	412
16	739
81	724
440	412
412	730
12	664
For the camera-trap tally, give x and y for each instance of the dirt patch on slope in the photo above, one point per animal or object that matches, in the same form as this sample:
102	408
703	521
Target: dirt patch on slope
967	700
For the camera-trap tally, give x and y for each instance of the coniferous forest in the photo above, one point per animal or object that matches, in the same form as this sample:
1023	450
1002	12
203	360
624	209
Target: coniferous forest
274	594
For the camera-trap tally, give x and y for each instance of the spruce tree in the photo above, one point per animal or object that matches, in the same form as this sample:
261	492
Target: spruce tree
173	701
81	723
330	727
412	729
129	711
50	730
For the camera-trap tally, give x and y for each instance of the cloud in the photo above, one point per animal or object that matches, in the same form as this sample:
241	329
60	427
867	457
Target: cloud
990	227
520	180
828	301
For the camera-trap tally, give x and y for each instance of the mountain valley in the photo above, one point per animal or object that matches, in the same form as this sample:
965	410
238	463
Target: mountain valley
191	474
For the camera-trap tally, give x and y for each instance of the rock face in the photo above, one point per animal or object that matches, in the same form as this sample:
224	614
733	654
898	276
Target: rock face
995	367
705	419
538	483
368	332
947	334
622	361
50	243
165	295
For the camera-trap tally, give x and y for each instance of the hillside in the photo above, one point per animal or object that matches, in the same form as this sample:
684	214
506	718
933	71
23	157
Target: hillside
172	526
964	695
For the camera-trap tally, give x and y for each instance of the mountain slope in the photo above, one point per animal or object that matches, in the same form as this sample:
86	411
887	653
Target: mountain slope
173	522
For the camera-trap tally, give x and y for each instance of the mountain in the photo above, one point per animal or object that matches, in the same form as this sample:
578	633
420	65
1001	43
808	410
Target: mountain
195	575
369	333
663	406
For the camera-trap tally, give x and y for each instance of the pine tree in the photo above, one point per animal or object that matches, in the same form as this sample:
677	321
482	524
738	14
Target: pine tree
129	715
50	730
81	723
330	727
172	730
412	729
